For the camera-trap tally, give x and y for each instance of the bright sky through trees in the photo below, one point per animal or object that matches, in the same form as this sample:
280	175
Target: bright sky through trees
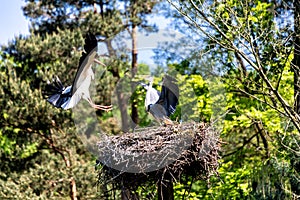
12	20
13	23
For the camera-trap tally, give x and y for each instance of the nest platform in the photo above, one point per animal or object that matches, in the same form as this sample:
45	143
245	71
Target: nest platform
150	155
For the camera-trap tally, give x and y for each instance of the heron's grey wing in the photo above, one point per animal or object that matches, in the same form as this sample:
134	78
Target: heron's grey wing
169	95
85	62
56	93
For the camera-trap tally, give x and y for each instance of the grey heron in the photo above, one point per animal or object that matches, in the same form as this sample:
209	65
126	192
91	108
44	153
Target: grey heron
68	97
162	104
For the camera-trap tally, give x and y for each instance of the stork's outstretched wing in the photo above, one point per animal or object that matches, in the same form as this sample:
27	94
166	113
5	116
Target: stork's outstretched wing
85	62
169	95
56	93
69	97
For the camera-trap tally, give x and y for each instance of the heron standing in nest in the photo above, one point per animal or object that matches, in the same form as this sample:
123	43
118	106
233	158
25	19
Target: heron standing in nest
68	97
162	104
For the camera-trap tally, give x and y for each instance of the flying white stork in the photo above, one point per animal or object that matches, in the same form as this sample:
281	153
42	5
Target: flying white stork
68	97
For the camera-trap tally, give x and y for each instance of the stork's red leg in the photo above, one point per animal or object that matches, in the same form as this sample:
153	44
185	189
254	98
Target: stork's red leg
99	107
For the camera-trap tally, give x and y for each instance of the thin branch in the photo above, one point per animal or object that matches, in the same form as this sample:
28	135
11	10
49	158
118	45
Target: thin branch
286	59
241	147
262	101
198	26
258	67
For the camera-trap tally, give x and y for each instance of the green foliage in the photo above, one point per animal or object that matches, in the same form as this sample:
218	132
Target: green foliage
195	102
6	145
46	178
41	154
37	142
234	184
250	135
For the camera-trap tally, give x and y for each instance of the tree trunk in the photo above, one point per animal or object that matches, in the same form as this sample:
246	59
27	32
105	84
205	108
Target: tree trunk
295	163
165	189
122	104
296	60
73	190
123	109
134	67
127	195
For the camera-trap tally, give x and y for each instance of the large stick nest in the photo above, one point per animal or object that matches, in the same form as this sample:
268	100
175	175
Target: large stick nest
147	155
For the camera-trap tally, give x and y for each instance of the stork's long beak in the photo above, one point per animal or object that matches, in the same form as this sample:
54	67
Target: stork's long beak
99	62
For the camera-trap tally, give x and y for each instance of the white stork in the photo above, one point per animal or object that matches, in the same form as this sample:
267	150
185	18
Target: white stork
162	104
68	97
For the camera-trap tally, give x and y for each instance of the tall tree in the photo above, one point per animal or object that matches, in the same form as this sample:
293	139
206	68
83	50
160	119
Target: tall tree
252	42
43	132
295	184
106	19
39	150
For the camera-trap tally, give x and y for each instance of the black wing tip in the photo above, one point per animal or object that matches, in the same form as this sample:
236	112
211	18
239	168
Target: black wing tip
168	77
171	89
54	87
90	42
171	84
53	104
55	94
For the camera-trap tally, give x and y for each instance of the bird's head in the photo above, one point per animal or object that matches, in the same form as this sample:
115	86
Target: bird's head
149	78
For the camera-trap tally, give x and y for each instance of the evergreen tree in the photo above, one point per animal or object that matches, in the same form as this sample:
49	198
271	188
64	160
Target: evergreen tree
39	143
